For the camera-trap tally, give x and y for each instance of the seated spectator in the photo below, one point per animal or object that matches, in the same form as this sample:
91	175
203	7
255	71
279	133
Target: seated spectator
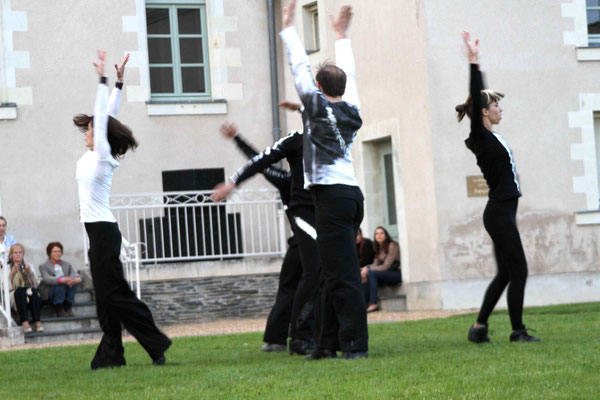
6	240
59	281
364	249
24	293
385	269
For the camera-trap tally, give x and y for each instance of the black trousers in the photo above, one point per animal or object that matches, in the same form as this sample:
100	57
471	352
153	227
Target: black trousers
116	303
341	315
303	322
34	304
499	219
278	322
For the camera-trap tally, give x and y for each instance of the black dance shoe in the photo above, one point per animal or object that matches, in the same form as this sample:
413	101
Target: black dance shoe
161	359
353	355
521	335
321	354
103	360
302	347
479	335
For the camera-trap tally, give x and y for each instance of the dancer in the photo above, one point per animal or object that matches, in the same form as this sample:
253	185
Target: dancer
495	159
278	321
303	226
330	129
116	303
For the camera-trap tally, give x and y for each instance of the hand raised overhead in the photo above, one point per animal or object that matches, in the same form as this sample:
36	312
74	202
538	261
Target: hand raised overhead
341	23
121	68
288	14
472	48
99	65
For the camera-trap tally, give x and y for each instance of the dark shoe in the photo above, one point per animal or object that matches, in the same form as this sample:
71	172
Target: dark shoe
161	359
68	309
353	355
102	360
60	310
479	335
321	354
273	348
302	347
521	335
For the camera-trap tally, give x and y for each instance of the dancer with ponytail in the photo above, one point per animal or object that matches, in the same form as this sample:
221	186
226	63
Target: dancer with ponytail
495	159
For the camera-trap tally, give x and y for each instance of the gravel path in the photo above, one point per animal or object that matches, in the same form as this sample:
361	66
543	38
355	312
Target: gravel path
223	327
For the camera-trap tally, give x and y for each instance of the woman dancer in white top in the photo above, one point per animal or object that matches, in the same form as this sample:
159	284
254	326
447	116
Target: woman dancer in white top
116	303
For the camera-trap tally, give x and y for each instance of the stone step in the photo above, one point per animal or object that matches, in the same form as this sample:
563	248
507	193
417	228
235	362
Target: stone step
391	298
70	323
63	335
84	295
85	308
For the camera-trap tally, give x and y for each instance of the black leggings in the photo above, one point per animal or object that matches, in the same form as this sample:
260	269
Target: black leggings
499	219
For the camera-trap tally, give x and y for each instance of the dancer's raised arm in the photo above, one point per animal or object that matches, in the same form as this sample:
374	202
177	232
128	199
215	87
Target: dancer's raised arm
305	84
115	96
101	145
344	57
475	85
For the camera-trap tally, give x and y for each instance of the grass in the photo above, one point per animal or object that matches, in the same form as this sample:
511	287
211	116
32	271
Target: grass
428	359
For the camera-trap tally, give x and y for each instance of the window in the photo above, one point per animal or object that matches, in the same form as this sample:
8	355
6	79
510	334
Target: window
593	22
177	50
386	165
311	27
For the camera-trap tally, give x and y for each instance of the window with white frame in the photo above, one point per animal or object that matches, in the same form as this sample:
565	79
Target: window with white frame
592	8
177	50
311	27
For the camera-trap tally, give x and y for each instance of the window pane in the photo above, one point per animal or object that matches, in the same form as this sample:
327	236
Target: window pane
192	79
191	50
157	21
389	188
159	51
592	3
593	19
161	80
189	21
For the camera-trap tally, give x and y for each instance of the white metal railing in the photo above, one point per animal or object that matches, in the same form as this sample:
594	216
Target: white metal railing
187	226
5	289
130	257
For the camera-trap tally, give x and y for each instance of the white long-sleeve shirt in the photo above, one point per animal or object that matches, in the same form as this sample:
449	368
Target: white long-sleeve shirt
331	128
96	167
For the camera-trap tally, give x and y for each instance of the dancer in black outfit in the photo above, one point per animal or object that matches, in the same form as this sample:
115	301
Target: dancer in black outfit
278	321
495	159
303	225
330	130
116	303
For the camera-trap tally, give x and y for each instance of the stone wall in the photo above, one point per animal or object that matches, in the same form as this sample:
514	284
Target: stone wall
209	299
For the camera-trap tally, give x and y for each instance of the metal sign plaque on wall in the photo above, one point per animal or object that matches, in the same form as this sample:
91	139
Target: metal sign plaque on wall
476	186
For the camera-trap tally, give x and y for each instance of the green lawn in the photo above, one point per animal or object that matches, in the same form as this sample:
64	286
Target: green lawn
429	359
